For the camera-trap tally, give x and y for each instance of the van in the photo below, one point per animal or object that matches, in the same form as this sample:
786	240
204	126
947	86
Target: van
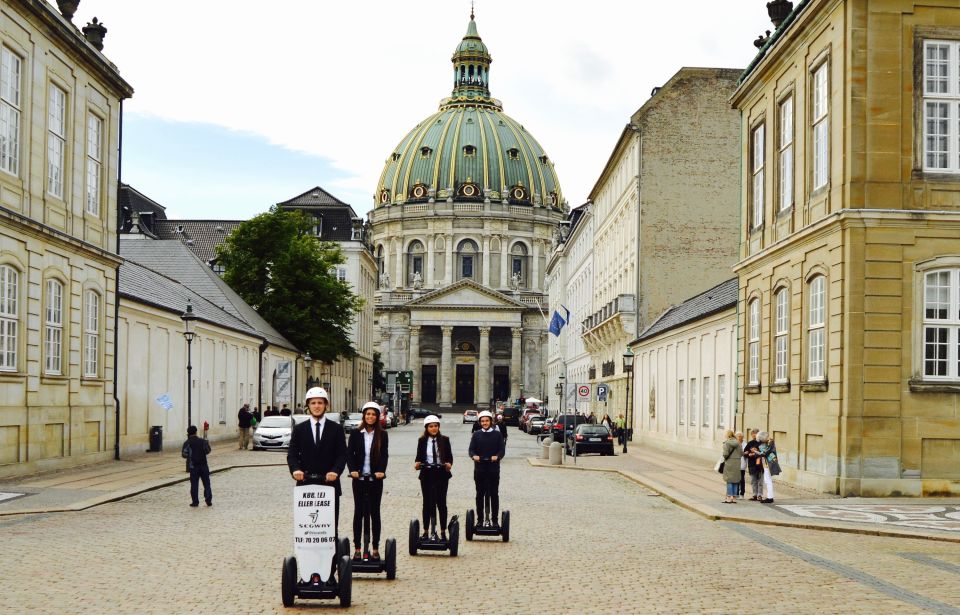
511	415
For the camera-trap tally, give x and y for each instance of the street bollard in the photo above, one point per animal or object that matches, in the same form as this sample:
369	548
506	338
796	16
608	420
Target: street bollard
556	454
544	448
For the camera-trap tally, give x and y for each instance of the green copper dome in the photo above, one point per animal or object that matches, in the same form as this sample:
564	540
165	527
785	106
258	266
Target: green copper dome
469	149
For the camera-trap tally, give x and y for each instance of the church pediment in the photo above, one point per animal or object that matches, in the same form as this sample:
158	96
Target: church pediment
466	294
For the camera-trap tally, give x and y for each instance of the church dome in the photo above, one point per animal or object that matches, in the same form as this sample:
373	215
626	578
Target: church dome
469	150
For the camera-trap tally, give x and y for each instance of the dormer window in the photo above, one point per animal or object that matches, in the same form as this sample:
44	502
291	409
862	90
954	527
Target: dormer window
419	191
469	189
513	153
544	159
425	151
519	193
384	196
395	156
469	150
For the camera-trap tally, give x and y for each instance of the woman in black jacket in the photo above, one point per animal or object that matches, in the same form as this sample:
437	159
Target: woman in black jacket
367	456
487	447
434	460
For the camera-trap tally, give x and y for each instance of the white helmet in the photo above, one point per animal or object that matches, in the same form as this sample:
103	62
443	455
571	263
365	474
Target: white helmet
316	392
370	404
485	413
433	418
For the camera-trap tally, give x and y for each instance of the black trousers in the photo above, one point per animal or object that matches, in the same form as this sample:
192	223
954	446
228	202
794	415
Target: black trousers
743	483
433	485
197	474
486	476
366	512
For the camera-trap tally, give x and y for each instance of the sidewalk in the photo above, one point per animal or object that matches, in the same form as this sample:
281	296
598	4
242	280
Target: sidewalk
86	486
694	485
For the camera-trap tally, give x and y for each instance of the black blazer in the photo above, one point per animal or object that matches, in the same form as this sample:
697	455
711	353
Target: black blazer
356	452
443	448
330	456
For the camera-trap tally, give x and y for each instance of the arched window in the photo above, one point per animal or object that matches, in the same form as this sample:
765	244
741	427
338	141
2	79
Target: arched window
753	351
781	336
9	317
816	328
91	334
467	259
518	264
414	262
380	263
53	329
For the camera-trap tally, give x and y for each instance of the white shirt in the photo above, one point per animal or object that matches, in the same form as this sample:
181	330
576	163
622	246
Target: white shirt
743	460
313	428
430	459
488	430
367	443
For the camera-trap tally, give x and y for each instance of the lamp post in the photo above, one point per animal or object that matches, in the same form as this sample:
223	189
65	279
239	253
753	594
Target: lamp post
188	334
561	378
307	363
628	370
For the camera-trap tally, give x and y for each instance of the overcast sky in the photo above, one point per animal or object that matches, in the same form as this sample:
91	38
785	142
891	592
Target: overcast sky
240	104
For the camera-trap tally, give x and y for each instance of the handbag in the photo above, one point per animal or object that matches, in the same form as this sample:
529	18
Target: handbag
720	464
775	468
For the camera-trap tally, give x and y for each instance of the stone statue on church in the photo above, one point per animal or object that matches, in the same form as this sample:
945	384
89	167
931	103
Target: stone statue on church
515	281
417	280
385	280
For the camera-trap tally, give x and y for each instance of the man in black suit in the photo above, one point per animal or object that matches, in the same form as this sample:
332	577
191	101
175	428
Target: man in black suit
317	446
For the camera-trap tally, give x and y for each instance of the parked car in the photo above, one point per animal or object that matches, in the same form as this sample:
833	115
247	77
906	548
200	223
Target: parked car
470	416
273	432
590	439
535	424
420	413
564	424
529	412
384	421
352	422
511	415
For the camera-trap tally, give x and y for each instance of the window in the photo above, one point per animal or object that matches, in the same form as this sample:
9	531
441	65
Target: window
941	324
466	254
941	106
721	401
56	140
781	333
91	334
706	402
753	351
821	128
341	274
9	321
518	261
222	403
681	411
815	328
9	111
693	401
94	162
53	329
786	154
757	169
414	262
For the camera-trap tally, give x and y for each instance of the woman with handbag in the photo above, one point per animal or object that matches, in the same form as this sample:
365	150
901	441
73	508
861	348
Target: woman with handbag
730	463
367	456
771	465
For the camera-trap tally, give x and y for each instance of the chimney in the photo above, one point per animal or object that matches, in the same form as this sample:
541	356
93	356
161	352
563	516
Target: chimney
94	33
778	11
68	8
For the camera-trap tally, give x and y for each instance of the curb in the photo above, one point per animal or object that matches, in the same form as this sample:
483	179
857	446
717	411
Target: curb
712	514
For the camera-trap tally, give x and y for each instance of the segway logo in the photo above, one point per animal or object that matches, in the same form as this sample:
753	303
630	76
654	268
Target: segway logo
314	515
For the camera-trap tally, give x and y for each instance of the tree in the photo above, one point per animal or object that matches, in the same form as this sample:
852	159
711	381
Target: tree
277	266
379	383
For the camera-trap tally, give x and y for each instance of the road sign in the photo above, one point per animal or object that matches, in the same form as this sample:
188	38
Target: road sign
602	392
583	392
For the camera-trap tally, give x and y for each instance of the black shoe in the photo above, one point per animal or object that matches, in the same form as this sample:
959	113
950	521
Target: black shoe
443	536
194	504
426	536
209	503
356	555
767	501
374	557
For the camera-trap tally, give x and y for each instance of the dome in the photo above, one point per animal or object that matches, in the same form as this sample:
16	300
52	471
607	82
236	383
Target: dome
469	149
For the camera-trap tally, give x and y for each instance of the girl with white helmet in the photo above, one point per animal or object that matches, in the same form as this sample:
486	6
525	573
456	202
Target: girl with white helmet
434	460
487	449
367	456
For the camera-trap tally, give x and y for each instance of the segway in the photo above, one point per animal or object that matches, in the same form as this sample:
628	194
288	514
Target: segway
419	543
387	563
488	527
321	567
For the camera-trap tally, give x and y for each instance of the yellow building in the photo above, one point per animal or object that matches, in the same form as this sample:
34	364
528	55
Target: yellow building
849	306
60	108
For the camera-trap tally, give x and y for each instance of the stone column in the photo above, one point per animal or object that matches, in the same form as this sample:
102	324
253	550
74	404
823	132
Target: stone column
483	368
534	283
428	278
486	261
414	364
450	264
504	263
399	282
446	367
515	363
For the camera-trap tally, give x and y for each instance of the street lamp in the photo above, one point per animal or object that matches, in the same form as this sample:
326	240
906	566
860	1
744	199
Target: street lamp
307	362
561	379
628	370
188	334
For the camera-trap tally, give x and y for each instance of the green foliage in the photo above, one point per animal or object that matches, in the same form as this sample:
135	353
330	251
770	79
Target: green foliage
277	266
379	382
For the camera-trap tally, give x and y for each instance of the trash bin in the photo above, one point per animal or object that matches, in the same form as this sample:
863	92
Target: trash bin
156	439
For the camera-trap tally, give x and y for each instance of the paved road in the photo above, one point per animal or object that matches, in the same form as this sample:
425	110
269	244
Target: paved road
635	553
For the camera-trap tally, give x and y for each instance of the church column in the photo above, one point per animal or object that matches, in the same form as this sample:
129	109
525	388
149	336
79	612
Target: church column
449	260
504	263
515	363
486	263
446	367
414	364
428	279
483	368
399	282
534	283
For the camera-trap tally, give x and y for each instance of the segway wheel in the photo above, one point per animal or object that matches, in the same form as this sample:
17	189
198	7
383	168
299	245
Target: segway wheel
390	558
346	580
505	525
288	581
453	534
414	536
471	523
343	547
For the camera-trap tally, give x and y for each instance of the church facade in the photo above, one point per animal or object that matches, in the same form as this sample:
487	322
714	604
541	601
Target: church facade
465	216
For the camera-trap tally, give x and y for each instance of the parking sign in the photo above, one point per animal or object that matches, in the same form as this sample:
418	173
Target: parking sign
583	392
602	392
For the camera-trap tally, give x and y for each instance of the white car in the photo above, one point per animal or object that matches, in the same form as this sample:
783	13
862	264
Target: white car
353	422
273	432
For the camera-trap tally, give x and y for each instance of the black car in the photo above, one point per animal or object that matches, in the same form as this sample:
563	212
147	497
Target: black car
420	413
511	415
590	439
564	424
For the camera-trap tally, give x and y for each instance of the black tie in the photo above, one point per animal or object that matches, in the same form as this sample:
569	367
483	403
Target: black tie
318	432
436	457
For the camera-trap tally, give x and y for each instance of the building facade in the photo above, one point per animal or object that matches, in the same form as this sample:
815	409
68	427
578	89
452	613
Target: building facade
60	117
849	272
464	216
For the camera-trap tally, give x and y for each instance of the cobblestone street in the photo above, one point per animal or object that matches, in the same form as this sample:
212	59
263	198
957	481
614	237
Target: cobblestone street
580	542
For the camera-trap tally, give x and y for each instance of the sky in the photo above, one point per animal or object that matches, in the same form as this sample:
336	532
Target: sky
240	104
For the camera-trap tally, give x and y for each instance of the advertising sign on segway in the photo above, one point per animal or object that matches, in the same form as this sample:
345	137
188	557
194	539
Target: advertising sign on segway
314	536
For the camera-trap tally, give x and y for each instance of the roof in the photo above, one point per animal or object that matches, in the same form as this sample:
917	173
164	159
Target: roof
174	260
719	298
131	201
335	218
202	237
772	40
314	197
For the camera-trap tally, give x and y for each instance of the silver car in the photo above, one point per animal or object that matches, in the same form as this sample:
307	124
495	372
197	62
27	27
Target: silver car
274	431
353	422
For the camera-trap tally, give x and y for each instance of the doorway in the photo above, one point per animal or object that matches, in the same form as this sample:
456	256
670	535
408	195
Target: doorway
501	382
428	384
464	384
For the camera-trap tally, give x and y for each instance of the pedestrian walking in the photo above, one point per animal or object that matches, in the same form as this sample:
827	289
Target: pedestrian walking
502	428
771	465
606	422
731	466
318	447
434	460
487	448
621	428
367	457
244	421
742	488
285	411
751	452
195	451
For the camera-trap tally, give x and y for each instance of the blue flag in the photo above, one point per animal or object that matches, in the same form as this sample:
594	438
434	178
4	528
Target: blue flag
557	322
